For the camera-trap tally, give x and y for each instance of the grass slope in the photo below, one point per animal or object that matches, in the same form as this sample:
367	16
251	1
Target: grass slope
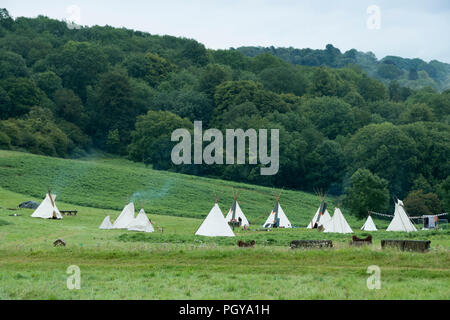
110	183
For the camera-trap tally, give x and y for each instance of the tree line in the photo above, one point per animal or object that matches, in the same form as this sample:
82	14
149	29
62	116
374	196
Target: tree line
412	73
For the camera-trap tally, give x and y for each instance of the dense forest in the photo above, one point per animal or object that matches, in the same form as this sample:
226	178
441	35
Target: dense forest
65	92
412	73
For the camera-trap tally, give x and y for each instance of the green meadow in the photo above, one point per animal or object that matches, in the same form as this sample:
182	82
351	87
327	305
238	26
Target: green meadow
173	263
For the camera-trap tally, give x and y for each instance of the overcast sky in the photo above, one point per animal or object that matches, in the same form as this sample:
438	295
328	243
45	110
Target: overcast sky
410	29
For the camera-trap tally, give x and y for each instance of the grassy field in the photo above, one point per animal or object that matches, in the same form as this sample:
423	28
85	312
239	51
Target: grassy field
175	264
110	183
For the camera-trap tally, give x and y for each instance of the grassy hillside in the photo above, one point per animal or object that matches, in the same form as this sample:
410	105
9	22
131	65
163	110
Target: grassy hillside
109	183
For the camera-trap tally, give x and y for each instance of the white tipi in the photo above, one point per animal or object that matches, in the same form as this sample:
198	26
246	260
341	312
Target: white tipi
215	225
141	223
322	217
47	209
106	224
125	217
277	218
338	223
401	221
235	213
369	225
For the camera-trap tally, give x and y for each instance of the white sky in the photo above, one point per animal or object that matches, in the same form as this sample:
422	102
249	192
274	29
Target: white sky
410	29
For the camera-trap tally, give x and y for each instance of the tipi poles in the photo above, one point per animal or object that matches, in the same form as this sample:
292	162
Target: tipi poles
52	202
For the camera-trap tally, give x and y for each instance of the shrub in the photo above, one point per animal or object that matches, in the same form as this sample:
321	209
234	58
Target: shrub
5	141
367	192
419	203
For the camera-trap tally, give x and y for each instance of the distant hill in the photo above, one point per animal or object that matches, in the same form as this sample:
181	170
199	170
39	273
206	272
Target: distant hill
412	73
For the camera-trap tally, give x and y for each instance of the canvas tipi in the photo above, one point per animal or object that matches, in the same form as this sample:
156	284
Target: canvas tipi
235	213
401	221
125	217
338	223
106	224
215	225
141	223
322	217
369	225
277	218
47	209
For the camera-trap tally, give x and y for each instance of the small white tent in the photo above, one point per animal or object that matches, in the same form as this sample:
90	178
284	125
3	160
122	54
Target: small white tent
338	223
106	224
141	223
401	221
47	209
323	220
277	218
369	225
215	225
125	218
322	217
235	213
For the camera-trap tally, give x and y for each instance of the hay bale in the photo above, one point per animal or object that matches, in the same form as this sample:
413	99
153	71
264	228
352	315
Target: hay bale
361	241
308	244
407	245
242	244
417	245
